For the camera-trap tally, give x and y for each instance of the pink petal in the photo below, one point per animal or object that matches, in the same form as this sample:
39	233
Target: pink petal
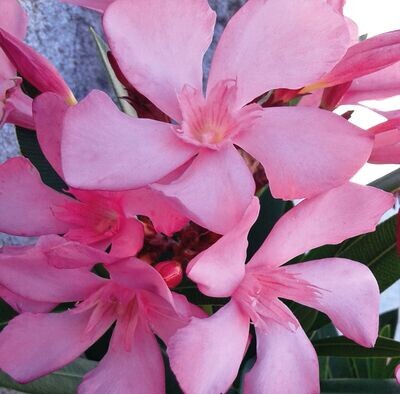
251	51
206	355
329	218
129	240
363	58
338	5
49	110
101	146
61	253
376	86
397	373
33	345
138	275
286	362
46	283
34	67
138	367
149	202
186	308
149	39
21	304
349	295
96	5
219	269
14	20
26	202
215	190
387	142
18	109
305	151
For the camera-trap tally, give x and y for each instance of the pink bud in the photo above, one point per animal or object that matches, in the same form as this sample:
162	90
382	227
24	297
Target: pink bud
171	271
34	67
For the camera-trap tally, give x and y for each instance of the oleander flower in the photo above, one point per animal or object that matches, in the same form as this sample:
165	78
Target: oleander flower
343	289
267	45
135	298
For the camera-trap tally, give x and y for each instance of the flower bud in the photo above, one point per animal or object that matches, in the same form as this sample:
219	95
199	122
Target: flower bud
171	271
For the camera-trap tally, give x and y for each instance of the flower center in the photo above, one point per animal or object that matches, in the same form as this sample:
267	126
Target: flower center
260	291
210	121
93	217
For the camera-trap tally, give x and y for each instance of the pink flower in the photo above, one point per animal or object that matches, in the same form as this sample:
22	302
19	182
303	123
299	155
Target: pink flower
343	289
92	217
135	297
266	45
15	106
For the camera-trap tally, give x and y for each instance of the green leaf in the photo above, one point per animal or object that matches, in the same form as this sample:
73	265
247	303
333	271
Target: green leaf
390	182
30	148
359	386
64	381
119	89
343	347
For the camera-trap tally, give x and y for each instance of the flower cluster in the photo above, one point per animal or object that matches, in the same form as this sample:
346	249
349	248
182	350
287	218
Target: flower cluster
170	194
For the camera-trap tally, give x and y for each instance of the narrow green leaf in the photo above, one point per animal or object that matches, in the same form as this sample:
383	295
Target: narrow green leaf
359	386
119	89
343	347
64	381
390	182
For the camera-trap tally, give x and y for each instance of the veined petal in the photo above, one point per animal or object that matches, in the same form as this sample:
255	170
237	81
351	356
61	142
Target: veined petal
139	368
305	151
61	337
250	50
218	343
349	295
329	218
104	149
26	202
214	191
149	39
96	5
219	269
286	362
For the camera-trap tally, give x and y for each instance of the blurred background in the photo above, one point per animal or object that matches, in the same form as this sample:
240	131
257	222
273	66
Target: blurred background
61	33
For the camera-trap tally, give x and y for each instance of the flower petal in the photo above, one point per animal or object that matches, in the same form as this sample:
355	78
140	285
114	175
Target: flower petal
46	283
96	5
49	110
14	20
137	367
215	190
387	142
101	146
34	67
129	240
250	50
219	269
218	343
376	86
363	58
153	204
286	362
329	218
149	39
21	304
305	151
33	345
26	202
349	295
